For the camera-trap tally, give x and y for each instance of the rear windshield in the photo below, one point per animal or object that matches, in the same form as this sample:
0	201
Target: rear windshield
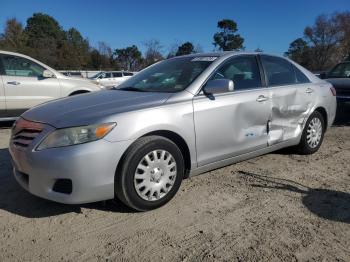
172	75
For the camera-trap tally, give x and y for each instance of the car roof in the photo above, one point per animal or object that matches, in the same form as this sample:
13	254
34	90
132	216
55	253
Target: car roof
14	53
227	54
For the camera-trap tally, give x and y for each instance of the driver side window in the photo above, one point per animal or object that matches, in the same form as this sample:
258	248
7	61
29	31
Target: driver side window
242	70
19	66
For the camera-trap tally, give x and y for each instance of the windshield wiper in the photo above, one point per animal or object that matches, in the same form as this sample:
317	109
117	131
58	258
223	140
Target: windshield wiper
130	88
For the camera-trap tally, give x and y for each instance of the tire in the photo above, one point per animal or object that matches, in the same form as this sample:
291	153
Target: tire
139	176
309	144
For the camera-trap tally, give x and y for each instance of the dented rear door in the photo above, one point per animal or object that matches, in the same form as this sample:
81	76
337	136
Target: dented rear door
290	108
291	96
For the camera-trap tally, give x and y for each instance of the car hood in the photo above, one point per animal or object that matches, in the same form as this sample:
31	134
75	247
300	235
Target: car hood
339	82
93	107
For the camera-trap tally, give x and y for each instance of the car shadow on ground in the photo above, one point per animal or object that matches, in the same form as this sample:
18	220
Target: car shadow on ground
327	204
16	200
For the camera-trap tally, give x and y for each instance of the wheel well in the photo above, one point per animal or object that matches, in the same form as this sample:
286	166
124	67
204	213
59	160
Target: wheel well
177	139
79	92
323	112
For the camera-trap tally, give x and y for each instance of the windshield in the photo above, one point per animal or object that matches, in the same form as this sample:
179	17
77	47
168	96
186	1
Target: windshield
172	75
340	71
95	76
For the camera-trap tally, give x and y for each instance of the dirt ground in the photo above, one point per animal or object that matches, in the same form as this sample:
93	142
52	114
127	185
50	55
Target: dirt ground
276	207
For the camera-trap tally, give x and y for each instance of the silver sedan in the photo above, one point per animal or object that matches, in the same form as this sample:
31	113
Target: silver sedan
180	117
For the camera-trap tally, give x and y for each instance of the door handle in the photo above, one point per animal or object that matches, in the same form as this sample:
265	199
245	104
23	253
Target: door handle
14	83
262	98
309	90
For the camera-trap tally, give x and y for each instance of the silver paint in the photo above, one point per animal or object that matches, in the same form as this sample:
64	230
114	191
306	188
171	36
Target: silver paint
218	131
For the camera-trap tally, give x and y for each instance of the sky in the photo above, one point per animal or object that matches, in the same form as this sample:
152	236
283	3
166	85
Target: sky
270	25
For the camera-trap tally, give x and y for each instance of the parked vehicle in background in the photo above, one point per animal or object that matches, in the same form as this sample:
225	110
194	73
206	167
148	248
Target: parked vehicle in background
26	82
112	78
180	117
73	74
339	77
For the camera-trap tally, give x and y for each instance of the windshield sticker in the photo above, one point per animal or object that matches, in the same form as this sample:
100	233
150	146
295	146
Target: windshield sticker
204	58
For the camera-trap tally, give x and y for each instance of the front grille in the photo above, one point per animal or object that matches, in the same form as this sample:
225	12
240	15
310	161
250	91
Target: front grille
25	137
24	132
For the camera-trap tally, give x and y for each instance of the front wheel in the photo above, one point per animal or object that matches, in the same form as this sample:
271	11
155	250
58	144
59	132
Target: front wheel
313	133
151	173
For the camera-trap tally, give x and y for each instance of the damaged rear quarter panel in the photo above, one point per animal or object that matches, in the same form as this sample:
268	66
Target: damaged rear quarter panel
290	107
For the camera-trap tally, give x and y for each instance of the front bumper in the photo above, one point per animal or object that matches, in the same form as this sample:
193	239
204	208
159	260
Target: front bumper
90	167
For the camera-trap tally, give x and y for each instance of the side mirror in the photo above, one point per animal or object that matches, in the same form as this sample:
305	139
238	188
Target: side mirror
218	86
48	74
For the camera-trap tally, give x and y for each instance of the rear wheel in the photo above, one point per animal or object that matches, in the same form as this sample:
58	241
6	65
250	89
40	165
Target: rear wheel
313	133
151	173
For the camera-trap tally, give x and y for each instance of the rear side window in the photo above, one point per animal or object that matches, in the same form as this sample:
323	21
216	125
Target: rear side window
278	71
2	71
128	74
19	66
301	78
107	75
242	70
117	74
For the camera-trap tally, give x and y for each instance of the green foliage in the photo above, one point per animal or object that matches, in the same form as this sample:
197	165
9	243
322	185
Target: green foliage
185	49
13	38
129	58
300	52
227	39
44	39
42	26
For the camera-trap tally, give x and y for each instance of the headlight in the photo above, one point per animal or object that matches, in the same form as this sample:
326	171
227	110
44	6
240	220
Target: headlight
75	135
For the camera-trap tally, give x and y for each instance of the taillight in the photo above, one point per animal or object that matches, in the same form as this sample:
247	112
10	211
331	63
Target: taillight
334	92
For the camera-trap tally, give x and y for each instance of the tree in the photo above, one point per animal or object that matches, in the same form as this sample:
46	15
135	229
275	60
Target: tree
95	60
73	53
129	58
13	38
300	52
185	49
173	49
227	39
153	52
324	38
342	21
324	44
107	61
44	36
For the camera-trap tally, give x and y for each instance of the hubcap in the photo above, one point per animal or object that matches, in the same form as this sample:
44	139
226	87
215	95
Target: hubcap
155	175
314	132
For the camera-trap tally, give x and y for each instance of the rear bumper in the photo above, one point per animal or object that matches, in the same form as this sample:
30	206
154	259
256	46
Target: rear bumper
90	167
